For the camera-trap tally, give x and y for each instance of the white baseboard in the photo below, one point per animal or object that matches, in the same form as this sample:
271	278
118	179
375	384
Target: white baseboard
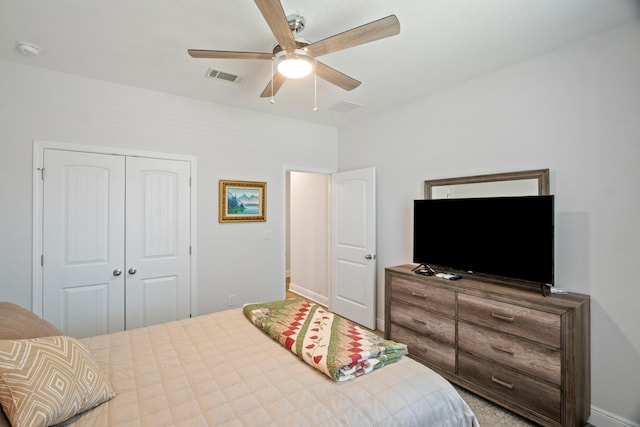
313	296
322	300
601	418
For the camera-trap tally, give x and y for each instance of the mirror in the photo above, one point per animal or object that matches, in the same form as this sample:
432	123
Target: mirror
521	183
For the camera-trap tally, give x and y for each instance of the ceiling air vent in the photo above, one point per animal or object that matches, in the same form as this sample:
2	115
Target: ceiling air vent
221	75
344	107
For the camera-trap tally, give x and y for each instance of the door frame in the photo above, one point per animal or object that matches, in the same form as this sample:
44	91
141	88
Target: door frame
37	208
285	218
330	232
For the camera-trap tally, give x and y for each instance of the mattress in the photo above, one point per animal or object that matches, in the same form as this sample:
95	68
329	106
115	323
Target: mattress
220	370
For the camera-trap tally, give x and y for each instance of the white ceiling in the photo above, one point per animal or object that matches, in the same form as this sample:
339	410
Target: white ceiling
144	43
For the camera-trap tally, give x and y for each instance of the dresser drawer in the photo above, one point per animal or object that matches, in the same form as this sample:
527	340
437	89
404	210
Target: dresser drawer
525	322
512	386
424	348
431	297
534	359
424	322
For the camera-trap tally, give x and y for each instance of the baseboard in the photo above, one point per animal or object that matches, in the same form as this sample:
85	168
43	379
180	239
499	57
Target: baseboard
601	418
310	295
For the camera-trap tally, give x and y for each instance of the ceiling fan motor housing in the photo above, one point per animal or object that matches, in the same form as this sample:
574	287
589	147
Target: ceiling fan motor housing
296	23
300	45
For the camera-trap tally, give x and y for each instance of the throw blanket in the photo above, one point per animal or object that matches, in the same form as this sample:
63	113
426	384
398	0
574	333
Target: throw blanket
335	346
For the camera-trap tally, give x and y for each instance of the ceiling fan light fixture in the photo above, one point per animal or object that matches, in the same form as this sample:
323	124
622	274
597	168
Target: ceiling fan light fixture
294	65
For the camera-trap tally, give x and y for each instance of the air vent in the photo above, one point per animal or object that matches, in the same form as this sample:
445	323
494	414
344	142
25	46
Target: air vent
344	107
221	75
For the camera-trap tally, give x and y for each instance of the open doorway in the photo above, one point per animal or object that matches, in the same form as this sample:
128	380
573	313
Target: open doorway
331	241
308	235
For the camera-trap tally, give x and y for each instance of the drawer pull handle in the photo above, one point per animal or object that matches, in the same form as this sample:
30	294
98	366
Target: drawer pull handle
502	350
502	383
415	294
502	317
422	322
421	348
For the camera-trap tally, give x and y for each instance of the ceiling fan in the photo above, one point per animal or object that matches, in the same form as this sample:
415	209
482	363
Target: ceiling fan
292	50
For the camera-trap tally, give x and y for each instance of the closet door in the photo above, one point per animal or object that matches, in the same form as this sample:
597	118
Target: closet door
158	282
116	241
83	242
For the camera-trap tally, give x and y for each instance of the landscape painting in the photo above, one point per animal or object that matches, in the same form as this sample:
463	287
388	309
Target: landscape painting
242	201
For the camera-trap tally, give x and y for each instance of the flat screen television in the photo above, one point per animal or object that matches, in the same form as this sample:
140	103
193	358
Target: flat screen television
502	238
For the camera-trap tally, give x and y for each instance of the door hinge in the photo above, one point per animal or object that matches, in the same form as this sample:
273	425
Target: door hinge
189	250
189	181
41	173
41	260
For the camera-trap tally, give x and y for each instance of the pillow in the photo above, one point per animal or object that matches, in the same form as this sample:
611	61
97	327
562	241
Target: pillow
45	381
18	323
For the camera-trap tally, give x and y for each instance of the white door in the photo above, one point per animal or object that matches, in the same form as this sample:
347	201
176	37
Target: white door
96	209
158	265
83	242
353	290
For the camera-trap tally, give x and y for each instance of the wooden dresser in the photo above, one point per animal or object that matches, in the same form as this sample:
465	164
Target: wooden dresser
524	351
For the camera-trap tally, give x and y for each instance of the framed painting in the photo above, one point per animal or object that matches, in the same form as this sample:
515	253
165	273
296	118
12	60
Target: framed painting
242	201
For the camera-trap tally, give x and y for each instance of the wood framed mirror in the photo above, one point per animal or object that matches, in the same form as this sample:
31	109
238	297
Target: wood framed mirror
519	183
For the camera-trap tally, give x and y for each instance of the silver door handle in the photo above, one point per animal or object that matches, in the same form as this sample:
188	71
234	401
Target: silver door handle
117	272
132	270
369	256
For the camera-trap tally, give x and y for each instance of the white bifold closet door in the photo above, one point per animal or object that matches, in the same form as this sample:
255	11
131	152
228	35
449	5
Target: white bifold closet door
116	241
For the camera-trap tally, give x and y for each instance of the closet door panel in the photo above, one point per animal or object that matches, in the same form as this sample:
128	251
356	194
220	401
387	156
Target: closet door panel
158	284
83	242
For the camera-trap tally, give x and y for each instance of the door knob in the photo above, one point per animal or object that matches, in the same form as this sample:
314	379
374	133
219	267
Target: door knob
132	270
117	272
369	256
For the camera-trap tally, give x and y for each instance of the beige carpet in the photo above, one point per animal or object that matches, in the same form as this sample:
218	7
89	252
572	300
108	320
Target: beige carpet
489	414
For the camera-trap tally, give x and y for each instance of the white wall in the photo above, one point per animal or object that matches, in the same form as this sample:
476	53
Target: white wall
228	143
309	238
575	111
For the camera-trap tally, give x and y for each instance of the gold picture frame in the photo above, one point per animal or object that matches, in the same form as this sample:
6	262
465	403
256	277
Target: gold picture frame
242	201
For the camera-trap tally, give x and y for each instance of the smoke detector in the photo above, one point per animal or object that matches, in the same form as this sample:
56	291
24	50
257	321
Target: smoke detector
27	49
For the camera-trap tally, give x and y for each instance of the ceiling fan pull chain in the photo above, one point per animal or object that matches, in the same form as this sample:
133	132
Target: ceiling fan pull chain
273	101
315	87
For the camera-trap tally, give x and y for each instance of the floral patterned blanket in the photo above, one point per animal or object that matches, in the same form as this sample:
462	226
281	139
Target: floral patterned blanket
335	346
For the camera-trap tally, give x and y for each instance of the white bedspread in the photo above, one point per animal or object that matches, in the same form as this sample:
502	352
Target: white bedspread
220	370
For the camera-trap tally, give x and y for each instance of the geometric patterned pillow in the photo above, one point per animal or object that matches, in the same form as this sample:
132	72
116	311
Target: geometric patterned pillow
44	381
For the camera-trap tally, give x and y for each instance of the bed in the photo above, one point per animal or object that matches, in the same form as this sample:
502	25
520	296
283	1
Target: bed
219	369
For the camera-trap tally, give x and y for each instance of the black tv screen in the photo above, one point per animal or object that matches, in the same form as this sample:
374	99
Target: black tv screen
500	237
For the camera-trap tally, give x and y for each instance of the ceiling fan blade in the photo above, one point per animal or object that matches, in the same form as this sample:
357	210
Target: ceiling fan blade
225	54
376	30
277	20
277	81
336	77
